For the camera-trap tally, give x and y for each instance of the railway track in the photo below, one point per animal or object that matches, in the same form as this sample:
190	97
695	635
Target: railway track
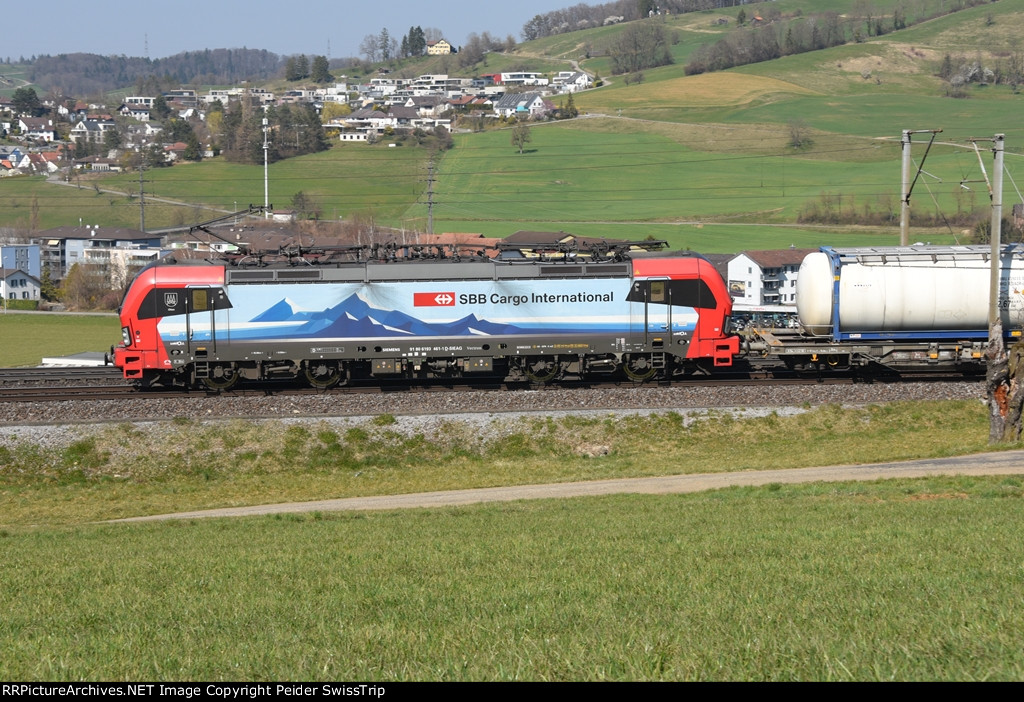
70	385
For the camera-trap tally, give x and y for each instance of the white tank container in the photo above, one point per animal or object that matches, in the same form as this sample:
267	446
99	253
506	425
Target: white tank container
907	289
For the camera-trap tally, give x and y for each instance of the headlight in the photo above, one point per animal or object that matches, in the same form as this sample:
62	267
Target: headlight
126	336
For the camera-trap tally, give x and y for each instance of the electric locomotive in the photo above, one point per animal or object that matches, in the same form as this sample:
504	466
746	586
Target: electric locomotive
331	316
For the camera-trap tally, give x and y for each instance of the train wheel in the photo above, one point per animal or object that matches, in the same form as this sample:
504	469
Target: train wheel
540	369
222	378
323	374
638	367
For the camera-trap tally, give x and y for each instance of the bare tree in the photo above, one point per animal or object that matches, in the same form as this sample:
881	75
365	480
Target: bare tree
370	48
521	136
799	134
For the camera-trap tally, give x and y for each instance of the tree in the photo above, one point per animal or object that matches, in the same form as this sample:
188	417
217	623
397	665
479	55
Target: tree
370	48
799	134
417	41
333	110
161	110
521	136
571	110
26	101
112	139
47	288
642	45
384	45
302	66
321	70
84	286
306	206
472	52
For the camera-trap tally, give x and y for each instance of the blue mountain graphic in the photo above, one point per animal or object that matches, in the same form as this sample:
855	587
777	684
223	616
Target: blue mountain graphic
353	317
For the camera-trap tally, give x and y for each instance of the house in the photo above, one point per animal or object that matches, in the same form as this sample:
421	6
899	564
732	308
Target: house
38	164
571	81
175	151
37	129
765	278
63	247
524	105
185	96
16	284
140	135
523	78
438	47
98	163
368	119
135	111
427	105
91	131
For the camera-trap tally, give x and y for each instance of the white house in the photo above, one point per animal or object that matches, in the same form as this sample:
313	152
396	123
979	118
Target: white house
16	284
765	278
571	81
520	105
37	129
92	130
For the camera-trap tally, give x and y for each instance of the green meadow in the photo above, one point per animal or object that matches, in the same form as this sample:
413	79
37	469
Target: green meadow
886	580
903	580
25	339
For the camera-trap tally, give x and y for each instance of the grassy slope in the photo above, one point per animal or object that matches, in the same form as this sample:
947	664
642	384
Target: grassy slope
902	580
130	470
716	152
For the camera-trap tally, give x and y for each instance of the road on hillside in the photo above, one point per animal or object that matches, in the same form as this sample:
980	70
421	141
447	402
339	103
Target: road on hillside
1002	463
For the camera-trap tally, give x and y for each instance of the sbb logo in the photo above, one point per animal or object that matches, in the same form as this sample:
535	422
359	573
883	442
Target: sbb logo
433	299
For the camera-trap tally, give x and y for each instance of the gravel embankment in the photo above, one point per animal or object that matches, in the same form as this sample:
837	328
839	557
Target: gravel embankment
57	423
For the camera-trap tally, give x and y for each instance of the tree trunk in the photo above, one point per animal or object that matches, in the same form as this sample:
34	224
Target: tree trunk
1004	387
1015	394
997	383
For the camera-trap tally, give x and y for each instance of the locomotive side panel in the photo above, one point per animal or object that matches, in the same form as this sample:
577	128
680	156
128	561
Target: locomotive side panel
209	324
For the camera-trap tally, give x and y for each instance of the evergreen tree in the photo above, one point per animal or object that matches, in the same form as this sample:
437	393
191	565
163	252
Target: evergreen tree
160	110
417	41
26	101
320	72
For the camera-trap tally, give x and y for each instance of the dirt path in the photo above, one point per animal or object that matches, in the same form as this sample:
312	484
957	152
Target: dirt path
1003	463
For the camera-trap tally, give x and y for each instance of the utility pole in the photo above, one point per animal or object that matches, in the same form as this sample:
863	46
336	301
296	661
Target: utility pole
908	184
266	172
1004	395
430	196
142	198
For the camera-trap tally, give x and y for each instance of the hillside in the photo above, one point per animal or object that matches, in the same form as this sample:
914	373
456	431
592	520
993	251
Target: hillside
706	161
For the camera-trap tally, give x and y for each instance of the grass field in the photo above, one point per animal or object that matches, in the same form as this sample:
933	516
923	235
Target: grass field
26	338
905	580
908	580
